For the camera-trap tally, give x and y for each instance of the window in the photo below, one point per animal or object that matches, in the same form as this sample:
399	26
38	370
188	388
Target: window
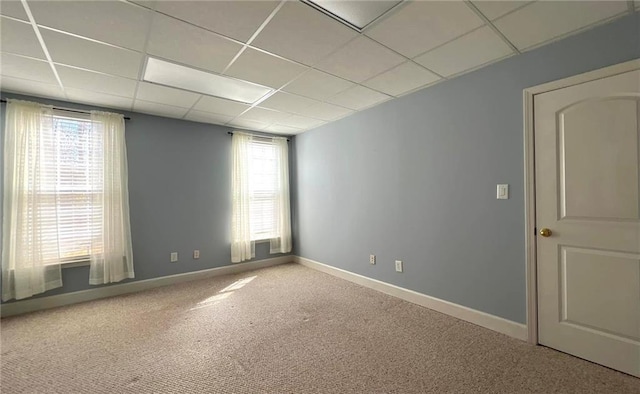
72	192
65	198
265	190
260	183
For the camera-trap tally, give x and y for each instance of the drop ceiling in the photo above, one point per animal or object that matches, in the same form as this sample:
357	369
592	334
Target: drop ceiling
313	68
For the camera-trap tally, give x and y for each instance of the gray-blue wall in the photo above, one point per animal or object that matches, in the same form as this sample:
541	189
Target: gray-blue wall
179	196
415	178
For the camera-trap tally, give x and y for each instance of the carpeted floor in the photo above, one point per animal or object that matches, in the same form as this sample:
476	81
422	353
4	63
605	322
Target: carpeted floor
285	329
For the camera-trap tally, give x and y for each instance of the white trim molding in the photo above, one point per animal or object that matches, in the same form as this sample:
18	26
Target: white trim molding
495	323
588	76
40	303
529	177
530	221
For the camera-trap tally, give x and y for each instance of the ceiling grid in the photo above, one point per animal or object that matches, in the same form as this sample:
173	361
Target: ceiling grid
36	30
318	69
143	65
492	26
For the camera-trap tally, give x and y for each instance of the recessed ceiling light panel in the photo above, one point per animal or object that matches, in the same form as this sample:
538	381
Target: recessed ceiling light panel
181	77
355	14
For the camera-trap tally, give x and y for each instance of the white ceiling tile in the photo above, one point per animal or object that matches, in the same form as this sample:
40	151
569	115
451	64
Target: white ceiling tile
26	68
235	19
99	99
207	117
14	9
74	51
287	102
175	40
300	122
325	111
422	25
147	107
264	69
358	98
166	95
318	85
399	80
303	34
114	22
472	50
495	9
248	124
19	38
264	115
96	82
220	106
360	59
546	20
32	88
280	129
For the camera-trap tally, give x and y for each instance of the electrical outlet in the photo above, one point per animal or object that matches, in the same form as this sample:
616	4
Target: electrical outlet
372	259
174	257
503	192
398	266
196	254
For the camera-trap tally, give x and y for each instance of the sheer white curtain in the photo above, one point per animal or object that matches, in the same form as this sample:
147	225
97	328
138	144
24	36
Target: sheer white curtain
242	247
65	198
281	243
28	263
260	187
111	251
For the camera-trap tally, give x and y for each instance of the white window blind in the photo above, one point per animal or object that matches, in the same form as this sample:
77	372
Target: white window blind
264	189
71	195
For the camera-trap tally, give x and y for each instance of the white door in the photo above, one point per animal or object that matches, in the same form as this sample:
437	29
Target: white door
586	172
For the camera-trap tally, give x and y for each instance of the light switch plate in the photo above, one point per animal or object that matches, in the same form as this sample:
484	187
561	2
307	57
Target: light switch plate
174	257
503	192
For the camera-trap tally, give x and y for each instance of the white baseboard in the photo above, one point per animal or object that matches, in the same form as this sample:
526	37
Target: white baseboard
495	323
36	304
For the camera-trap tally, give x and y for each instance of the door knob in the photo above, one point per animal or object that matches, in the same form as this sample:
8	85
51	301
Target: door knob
545	232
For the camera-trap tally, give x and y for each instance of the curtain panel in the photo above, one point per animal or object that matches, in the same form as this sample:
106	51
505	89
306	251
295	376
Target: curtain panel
282	225
112	256
242	247
27	205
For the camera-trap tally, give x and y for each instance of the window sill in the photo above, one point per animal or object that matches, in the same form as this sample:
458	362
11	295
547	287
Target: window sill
85	263
81	261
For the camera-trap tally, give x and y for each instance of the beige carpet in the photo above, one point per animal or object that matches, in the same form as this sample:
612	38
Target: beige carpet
288	330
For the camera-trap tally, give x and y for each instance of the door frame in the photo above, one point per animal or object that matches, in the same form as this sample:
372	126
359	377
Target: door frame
529	178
